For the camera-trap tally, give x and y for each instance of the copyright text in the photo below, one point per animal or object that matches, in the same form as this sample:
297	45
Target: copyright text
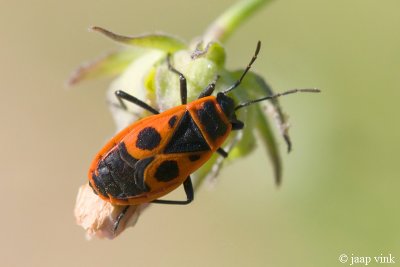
352	259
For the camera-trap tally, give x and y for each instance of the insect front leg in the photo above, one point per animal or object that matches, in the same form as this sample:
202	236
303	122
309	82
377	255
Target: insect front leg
182	81
237	124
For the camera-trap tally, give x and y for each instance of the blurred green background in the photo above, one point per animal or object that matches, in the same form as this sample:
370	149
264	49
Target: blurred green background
340	188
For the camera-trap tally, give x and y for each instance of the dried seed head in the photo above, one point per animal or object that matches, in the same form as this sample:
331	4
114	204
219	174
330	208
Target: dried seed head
98	217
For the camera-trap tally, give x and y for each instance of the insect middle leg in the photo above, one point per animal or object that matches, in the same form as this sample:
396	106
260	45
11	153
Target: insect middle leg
209	89
222	152
182	81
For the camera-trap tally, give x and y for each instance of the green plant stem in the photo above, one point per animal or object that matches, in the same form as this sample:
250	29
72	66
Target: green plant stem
222	28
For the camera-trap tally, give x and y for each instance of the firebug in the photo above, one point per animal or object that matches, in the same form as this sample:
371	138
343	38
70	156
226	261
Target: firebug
157	154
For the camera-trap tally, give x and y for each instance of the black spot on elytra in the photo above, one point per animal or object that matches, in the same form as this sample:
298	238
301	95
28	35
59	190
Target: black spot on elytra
194	157
148	139
211	120
187	137
172	121
167	171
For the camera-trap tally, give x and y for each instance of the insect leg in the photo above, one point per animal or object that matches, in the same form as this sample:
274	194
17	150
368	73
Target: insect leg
182	81
222	152
209	89
187	185
121	95
119	218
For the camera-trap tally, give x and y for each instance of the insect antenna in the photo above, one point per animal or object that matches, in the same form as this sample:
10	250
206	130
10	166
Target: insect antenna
308	90
236	84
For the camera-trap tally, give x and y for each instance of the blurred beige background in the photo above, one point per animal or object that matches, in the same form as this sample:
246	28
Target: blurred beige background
340	191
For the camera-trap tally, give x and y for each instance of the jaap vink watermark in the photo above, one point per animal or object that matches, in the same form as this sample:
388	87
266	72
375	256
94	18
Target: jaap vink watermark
365	260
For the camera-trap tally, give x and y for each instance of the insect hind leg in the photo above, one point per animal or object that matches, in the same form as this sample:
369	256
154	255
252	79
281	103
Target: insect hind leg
187	185
119	218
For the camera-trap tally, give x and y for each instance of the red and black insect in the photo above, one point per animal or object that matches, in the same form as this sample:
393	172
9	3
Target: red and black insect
157	154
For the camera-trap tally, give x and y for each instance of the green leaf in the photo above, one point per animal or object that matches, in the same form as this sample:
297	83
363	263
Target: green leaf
110	64
254	87
210	170
257	88
247	142
267	137
164	42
